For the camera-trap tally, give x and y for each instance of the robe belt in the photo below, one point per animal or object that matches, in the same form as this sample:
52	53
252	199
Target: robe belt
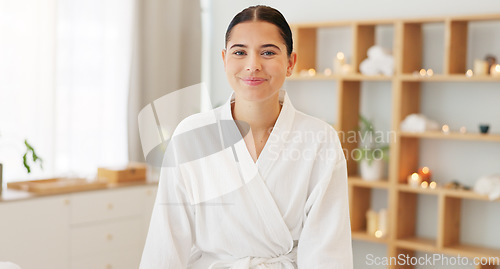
286	260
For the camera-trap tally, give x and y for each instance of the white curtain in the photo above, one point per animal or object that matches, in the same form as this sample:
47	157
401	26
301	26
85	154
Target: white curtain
64	81
167	57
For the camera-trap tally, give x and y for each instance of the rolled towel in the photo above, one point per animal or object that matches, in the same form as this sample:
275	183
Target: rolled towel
488	185
418	123
386	65
369	67
9	265
375	52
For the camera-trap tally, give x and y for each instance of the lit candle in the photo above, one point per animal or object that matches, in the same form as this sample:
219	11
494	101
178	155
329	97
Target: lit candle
424	185
346	69
480	67
422	72
311	72
327	72
414	180
430	73
469	73
432	185
446	129
372	222
495	70
425	173
339	63
382	223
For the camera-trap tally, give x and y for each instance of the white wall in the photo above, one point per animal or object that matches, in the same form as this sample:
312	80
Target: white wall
453	103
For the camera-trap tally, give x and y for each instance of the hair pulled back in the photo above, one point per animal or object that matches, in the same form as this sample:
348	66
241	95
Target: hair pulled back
266	14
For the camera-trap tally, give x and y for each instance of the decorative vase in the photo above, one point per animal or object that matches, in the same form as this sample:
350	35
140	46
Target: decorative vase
373	171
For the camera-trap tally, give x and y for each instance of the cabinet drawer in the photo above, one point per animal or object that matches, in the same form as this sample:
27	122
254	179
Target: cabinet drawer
88	240
117	260
106	204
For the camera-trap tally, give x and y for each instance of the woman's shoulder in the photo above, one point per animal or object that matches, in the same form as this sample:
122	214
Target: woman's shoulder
307	122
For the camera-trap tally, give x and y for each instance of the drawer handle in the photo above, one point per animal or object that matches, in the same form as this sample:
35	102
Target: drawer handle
109	237
110	206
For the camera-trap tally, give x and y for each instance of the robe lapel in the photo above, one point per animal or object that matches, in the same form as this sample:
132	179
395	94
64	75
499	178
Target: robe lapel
253	174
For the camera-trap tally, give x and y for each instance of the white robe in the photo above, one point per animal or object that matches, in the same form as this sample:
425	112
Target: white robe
222	210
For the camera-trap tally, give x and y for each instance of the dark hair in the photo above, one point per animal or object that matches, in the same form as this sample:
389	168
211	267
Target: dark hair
267	14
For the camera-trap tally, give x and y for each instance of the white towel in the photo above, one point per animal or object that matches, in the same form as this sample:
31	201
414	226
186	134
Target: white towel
488	185
9	265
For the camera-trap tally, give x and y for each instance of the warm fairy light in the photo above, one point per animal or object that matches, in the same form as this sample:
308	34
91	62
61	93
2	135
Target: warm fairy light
463	130
445	129
424	185
433	185
469	73
414	180
378	234
430	73
311	72
425	170
422	72
495	70
340	56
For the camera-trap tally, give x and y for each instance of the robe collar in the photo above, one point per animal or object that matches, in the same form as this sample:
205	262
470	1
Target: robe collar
277	139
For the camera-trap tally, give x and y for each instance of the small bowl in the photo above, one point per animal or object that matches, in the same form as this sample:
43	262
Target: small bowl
484	128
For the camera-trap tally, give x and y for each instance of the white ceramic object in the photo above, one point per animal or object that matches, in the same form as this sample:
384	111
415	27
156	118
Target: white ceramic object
373	171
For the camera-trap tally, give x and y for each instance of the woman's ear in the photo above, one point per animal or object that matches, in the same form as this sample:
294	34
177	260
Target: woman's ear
292	60
224	58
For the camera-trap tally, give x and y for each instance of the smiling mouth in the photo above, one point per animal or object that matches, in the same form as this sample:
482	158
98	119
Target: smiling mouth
253	81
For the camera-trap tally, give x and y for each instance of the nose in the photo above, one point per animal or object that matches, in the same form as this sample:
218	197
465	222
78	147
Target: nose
253	63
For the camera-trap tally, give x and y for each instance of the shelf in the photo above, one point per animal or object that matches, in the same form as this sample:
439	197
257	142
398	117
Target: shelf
411	38
403	77
418	243
453	136
408	188
462	194
465	194
449	78
350	77
358	182
364	236
471	251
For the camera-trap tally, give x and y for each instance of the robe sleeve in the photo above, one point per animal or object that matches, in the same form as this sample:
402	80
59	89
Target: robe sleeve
325	241
171	233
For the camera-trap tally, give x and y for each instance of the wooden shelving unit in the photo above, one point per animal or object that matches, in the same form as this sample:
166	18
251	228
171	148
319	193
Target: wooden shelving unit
405	147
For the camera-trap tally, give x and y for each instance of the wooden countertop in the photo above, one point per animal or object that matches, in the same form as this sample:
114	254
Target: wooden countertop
11	195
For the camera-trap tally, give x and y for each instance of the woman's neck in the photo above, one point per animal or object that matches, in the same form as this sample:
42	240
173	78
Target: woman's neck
261	116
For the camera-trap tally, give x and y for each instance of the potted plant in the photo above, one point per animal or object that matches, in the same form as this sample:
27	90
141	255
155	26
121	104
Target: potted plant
28	157
373	154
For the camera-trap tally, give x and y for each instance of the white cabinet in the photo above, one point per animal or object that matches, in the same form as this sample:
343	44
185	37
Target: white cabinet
96	229
34	233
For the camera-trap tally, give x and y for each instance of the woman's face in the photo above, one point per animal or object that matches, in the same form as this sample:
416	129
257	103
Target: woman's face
256	60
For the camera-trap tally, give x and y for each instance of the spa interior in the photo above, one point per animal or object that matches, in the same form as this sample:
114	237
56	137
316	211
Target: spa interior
92	91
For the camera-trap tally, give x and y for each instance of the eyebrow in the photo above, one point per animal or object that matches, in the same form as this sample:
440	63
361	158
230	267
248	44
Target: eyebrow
263	46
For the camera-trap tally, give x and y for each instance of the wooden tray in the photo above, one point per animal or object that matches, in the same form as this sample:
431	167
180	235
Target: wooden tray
56	185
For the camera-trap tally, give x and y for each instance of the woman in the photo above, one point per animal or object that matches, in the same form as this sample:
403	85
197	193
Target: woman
267	187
